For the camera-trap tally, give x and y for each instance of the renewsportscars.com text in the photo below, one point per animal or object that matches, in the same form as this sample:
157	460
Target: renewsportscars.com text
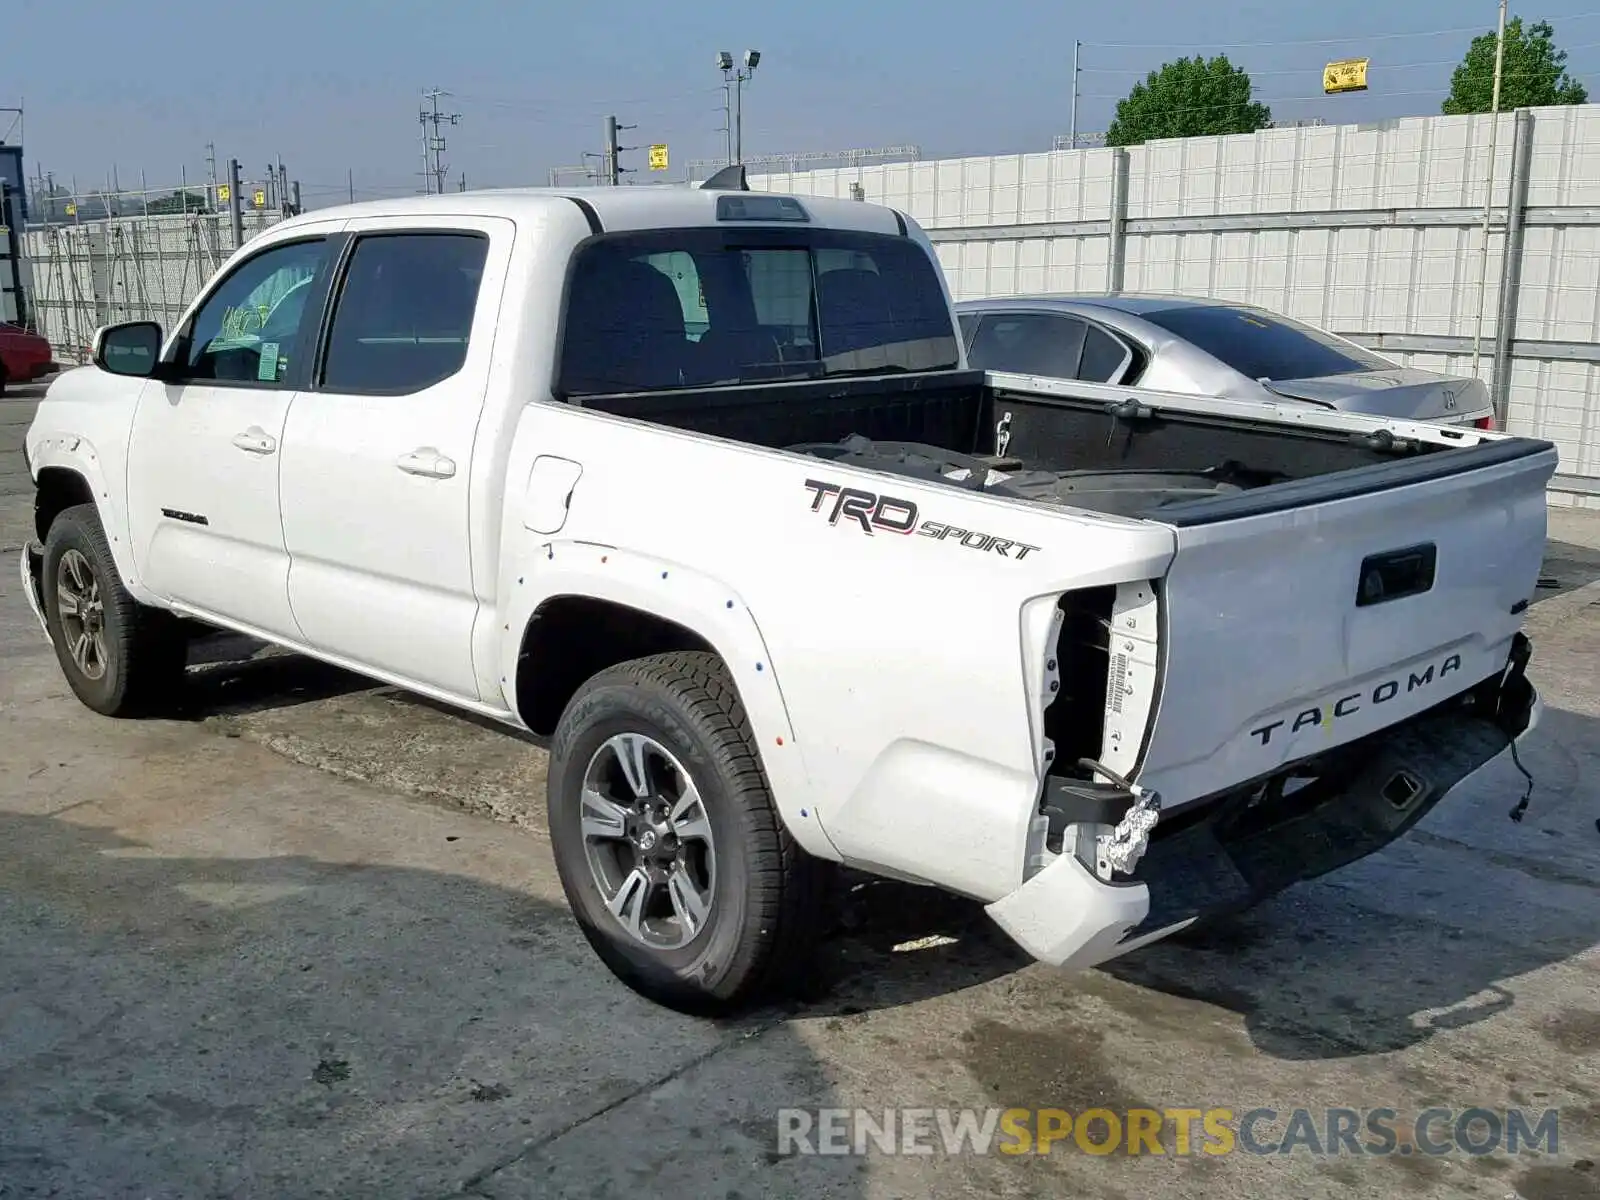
1174	1131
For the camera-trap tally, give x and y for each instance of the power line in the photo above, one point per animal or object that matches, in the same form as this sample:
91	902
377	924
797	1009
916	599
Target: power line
1345	39
547	106
1270	100
1382	66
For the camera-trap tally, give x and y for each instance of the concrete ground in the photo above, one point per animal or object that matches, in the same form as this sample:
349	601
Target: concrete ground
310	942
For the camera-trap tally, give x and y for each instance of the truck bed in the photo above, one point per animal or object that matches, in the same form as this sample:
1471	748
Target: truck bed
1118	457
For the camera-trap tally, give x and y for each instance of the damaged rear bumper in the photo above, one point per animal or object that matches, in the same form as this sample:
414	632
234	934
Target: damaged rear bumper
1232	851
33	582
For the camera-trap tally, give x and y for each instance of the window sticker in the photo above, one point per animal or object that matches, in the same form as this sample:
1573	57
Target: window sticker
267	372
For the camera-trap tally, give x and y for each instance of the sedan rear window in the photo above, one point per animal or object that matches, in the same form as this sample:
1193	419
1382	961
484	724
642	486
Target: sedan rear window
1263	345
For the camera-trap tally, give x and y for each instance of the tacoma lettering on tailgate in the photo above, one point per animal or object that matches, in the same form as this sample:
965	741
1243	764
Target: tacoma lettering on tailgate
1352	703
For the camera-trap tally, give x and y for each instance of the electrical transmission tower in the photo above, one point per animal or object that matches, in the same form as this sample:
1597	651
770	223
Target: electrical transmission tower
434	168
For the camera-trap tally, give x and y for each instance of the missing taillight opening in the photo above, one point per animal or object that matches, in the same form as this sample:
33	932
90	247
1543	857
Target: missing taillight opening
1075	722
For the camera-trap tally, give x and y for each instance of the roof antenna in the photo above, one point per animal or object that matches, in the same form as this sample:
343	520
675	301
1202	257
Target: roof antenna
730	179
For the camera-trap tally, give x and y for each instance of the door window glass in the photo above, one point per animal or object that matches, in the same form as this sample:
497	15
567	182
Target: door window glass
249	327
403	319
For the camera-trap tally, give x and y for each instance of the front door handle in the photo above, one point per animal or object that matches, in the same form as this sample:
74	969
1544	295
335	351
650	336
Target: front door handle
255	440
428	463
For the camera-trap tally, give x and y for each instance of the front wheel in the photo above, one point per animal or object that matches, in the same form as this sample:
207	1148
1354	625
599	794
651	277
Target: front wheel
670	850
119	657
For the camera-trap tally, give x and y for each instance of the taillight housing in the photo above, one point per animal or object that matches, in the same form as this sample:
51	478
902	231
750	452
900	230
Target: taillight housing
1484	423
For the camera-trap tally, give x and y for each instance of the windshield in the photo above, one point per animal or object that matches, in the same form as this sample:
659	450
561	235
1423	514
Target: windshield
1263	345
710	307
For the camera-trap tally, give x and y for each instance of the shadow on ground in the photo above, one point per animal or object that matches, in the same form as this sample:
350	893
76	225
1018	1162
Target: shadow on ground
1331	972
230	673
1567	567
282	1027
1317	973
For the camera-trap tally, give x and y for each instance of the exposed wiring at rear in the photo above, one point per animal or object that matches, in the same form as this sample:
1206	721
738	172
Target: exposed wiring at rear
1527	791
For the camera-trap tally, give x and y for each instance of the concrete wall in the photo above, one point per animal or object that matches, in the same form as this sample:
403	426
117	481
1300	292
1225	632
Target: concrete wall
1374	231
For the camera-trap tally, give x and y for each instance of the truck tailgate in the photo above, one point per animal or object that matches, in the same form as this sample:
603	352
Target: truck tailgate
1302	617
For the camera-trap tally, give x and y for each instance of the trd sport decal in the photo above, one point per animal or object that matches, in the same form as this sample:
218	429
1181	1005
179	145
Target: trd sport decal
886	514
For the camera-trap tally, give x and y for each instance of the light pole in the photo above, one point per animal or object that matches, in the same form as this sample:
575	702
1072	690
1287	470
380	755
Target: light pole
1488	191
733	81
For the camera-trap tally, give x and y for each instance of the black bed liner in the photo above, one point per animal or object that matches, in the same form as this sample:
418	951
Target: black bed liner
1180	467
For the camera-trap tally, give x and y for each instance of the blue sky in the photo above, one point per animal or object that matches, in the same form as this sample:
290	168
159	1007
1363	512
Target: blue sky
334	86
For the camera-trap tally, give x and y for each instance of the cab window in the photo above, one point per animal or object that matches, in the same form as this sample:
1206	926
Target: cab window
248	329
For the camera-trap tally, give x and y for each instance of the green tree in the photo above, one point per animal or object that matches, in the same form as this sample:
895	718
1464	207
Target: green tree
1192	97
1534	72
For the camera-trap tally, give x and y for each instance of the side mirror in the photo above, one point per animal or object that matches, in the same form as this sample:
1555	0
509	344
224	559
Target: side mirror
133	348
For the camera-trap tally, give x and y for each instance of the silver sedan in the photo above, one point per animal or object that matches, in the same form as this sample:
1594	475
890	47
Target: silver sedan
1208	348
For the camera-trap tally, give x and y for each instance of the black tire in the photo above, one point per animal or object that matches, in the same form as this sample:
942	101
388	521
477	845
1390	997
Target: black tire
765	912
2	379
141	667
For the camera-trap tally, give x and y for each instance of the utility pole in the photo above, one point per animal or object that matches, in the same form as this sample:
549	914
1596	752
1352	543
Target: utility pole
611	168
1488	191
1072	130
235	203
211	168
434	170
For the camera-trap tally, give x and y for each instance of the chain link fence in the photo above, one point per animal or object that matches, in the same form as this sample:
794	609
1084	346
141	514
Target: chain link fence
97	259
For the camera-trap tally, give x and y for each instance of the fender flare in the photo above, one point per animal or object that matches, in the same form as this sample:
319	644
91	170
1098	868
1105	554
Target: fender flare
76	453
706	607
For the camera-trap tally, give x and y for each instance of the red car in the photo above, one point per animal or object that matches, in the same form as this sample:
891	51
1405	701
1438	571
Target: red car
24	356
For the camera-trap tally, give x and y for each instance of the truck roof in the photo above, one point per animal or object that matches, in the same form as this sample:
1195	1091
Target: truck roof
618	208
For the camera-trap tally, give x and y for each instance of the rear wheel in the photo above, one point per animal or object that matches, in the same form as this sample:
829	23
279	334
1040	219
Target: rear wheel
120	658
671	852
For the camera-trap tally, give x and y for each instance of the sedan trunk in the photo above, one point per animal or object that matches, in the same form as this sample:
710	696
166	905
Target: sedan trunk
1399	392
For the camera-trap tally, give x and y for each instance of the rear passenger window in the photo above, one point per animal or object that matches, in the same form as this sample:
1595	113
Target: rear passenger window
1102	357
404	313
1028	344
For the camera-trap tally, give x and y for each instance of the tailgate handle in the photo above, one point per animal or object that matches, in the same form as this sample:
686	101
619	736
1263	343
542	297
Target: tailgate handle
1396	574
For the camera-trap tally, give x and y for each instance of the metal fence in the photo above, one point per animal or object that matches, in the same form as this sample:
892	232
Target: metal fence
144	258
1375	231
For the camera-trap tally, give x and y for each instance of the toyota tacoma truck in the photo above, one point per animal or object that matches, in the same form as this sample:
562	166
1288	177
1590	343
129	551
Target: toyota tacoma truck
696	484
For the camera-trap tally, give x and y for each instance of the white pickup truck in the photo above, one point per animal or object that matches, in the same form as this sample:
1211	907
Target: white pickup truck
695	483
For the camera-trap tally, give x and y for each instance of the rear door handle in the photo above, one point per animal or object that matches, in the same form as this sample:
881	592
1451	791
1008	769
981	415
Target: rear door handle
255	440
428	463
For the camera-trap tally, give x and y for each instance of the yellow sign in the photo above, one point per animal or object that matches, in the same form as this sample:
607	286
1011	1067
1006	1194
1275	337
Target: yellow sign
72	210
223	193
259	199
1346	75
658	158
